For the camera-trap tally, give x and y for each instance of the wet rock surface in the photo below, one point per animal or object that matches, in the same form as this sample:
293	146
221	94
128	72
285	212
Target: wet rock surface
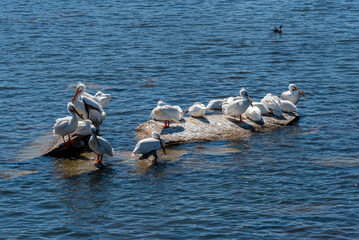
214	126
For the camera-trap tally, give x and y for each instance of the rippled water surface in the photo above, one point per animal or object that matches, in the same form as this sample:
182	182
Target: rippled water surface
297	182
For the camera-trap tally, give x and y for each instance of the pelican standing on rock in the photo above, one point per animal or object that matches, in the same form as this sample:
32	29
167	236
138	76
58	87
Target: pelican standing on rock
89	108
293	94
237	107
67	125
197	110
100	146
166	113
149	146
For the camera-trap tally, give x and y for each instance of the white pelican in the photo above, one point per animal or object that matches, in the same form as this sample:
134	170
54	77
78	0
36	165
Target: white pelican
237	107
215	104
287	106
273	104
254	114
67	125
86	106
100	97
83	128
293	94
261	107
100	146
149	146
166	113
197	110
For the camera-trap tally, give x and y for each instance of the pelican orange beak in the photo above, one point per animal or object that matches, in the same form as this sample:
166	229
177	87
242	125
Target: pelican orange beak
302	93
163	147
185	111
98	142
77	93
252	103
77	113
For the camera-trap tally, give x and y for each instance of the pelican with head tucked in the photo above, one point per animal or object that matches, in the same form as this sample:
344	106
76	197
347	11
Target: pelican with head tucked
166	113
237	106
149	146
273	104
67	125
293	94
197	110
100	146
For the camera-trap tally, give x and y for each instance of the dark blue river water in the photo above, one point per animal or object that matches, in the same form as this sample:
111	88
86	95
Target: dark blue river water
298	182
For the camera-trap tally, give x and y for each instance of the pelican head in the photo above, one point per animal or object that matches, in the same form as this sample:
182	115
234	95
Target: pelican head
243	93
81	88
71	108
93	130
292	87
94	133
157	136
161	103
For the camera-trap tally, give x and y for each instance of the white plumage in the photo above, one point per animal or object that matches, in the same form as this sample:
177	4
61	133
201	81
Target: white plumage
99	145
273	104
238	105
83	128
288	106
261	107
148	145
166	113
197	110
67	125
101	98
215	104
88	107
293	94
254	114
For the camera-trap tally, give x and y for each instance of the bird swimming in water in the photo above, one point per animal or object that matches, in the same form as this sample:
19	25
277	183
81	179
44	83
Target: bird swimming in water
149	146
280	30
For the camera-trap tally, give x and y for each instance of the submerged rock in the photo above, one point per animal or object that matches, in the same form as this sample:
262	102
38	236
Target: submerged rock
80	144
214	126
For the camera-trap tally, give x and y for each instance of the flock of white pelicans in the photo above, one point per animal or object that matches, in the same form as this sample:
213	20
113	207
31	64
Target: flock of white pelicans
87	115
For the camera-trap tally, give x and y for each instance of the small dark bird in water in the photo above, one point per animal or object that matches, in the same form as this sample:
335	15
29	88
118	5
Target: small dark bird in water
276	30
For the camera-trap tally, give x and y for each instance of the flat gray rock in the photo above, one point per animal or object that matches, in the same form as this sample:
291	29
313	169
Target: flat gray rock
214	126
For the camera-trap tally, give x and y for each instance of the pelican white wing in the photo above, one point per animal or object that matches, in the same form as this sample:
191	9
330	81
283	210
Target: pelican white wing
215	104
272	104
254	114
100	147
166	112
147	145
197	110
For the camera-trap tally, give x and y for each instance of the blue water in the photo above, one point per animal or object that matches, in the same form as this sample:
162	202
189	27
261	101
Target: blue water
297	182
